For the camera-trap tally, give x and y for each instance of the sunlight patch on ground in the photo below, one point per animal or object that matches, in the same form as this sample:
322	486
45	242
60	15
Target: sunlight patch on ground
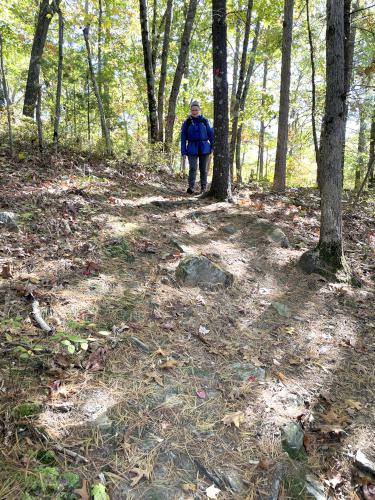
118	227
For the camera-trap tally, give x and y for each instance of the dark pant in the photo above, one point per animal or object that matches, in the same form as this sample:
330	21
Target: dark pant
193	160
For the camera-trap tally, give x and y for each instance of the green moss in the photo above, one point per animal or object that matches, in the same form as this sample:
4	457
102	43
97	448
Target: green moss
120	248
70	479
49	482
46	457
26	410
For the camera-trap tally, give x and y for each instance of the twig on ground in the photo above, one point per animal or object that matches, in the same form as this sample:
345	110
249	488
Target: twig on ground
37	315
211	475
77	457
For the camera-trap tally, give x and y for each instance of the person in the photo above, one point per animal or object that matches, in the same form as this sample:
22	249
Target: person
197	143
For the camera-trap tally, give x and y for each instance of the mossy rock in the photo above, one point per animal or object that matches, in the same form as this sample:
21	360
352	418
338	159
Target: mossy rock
28	409
200	271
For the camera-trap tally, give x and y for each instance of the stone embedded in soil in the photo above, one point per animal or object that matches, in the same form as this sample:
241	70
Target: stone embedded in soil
245	371
233	480
181	246
273	232
292	439
8	220
364	463
200	271
314	487
282	309
230	229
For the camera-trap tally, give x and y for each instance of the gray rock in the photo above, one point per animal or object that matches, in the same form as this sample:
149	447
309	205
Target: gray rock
233	480
292	439
282	309
242	371
181	246
273	232
314	487
8	220
200	271
364	463
230	229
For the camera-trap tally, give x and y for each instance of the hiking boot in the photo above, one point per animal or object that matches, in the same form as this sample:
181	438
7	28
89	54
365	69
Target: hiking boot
190	191
203	190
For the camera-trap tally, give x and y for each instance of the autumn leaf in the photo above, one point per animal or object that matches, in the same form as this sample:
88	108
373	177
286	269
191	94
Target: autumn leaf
83	492
160	352
235	418
355	405
97	359
170	363
282	377
334	481
6	272
188	487
154	376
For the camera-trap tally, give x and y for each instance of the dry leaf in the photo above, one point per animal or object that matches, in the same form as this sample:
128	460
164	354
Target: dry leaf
356	405
201	394
97	359
170	363
6	272
141	473
332	418
160	352
334	481
156	378
235	418
84	491
168	325
265	463
212	491
188	487
282	377
334	429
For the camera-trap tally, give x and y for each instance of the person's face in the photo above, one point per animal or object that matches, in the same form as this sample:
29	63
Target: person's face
195	110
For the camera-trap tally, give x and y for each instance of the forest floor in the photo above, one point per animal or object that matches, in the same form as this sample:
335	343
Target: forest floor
150	389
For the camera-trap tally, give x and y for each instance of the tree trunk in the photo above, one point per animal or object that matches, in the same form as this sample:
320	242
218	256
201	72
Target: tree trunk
185	41
262	125
221	181
3	83
46	11
313	86
330	243
361	147
163	69
369	177
241	81
39	118
105	131
88	110
279	181
150	79
59	82
235	67
100	37
249	74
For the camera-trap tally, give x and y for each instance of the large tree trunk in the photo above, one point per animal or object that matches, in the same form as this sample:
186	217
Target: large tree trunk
3	84
185	41
330	243
249	74
150	79
59	83
103	122
221	181
359	168
39	118
163	69
262	124
313	86
241	82
279	181
46	11
236	57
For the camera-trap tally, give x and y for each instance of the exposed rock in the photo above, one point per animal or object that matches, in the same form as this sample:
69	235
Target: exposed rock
8	220
292	439
273	232
364	463
314	487
230	229
233	480
181	246
243	371
282	309
200	271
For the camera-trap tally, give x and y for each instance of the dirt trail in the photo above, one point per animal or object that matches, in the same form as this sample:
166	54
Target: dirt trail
171	389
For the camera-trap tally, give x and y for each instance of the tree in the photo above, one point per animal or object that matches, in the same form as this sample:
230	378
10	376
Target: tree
150	78
328	256
4	88
262	124
185	41
279	181
46	11
59	82
221	180
163	69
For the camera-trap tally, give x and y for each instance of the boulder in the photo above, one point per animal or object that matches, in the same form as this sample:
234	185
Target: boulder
273	233
292	439
200	271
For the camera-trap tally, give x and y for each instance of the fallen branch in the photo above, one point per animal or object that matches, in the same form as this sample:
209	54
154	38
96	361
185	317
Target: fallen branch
77	457
220	483
37	315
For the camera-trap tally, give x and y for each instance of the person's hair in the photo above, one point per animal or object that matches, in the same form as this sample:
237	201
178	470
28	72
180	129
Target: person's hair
194	103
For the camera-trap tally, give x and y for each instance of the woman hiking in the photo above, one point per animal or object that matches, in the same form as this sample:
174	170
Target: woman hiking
197	140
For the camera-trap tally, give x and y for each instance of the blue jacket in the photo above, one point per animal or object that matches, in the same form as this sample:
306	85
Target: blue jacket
199	136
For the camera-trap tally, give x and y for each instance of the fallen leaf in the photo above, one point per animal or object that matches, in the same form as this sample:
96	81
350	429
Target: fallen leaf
203	330
356	405
168	325
97	359
6	272
83	492
332	418
235	418
265	463
156	378
160	351
308	442
282	377
141	473
212	491
91	268
188	487
334	481
170	363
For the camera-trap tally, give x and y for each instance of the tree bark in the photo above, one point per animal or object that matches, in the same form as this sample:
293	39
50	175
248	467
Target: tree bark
39	118
330	243
59	82
241	82
185	41
369	177
249	74
262	125
235	67
3	83
46	11
100	38
150	79
103	123
221	180
163	69
313	86
359	168
279	181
